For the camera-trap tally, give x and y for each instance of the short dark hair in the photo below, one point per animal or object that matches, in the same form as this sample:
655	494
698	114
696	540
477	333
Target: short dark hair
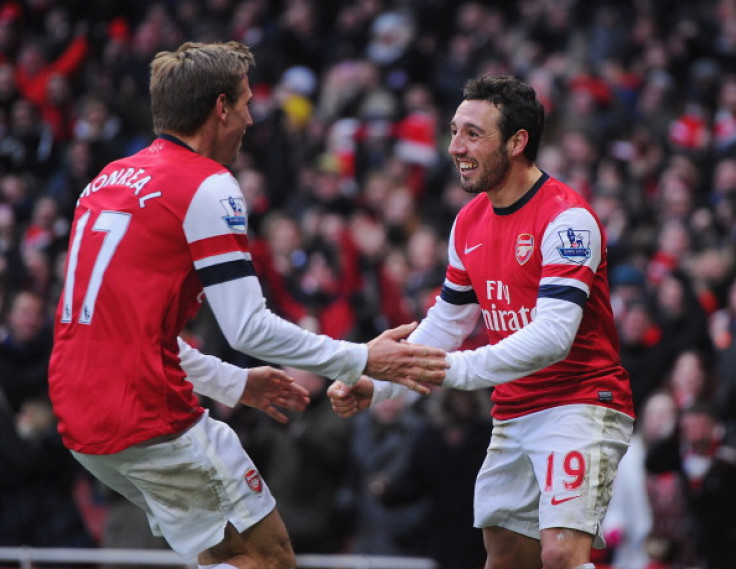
518	103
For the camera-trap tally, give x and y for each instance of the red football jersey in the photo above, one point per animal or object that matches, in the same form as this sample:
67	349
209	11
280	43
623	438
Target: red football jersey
550	244
152	234
130	287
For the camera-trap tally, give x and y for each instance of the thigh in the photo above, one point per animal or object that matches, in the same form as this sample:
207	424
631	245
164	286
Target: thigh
106	469
192	487
506	490
265	544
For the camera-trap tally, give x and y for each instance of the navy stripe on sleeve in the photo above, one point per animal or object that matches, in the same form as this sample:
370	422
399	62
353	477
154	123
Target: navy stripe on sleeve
458	297
569	293
224	272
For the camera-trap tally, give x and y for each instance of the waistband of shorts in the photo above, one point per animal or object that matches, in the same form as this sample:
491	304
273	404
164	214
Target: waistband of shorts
167	438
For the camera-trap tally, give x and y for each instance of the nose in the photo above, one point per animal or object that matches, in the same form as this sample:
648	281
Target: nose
248	118
456	146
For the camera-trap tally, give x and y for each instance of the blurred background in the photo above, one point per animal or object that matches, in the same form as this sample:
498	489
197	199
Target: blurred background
351	196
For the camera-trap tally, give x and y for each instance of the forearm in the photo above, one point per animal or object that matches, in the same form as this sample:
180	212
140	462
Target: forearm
543	342
211	376
250	327
446	326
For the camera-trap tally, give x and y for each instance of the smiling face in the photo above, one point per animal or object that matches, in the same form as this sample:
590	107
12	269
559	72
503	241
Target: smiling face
476	147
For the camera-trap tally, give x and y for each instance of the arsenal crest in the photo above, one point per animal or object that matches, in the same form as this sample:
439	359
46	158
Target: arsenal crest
253	478
524	247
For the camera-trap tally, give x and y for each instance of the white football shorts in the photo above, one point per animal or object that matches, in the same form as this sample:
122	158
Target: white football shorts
552	469
190	486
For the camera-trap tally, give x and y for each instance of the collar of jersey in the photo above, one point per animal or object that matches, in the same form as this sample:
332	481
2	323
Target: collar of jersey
175	140
517	205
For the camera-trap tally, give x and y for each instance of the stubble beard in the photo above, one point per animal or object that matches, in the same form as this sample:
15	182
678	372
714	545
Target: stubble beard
493	174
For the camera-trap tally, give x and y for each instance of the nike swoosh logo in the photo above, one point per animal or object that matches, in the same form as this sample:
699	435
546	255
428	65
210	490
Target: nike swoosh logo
556	501
473	248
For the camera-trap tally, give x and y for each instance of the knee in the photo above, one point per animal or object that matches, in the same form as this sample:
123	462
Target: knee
565	548
555	557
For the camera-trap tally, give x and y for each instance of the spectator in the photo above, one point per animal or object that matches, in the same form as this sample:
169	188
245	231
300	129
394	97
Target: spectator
33	70
46	229
426	268
707	469
632	520
11	270
125	526
442	466
37	476
25	347
29	145
378	447
644	352
380	300
690	379
682	318
8	91
99	125
81	159
723	334
59	111
305	464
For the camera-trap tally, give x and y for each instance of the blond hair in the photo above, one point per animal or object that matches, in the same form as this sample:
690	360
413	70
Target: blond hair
186	83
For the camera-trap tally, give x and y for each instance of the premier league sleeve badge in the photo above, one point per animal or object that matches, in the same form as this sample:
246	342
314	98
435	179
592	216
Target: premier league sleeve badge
574	245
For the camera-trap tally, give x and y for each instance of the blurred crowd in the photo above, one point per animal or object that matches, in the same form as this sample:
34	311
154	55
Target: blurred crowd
351	197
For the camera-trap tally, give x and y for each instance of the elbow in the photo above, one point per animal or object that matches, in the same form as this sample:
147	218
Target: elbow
548	359
559	343
561	351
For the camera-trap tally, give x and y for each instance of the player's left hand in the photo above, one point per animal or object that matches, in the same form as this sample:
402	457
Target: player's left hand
347	401
269	389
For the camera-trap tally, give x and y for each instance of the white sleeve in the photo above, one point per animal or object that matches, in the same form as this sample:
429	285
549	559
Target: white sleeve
448	324
445	326
383	390
250	327
550	336
211	376
236	299
543	342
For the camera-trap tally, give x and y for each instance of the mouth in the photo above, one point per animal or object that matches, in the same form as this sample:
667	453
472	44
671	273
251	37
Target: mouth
465	166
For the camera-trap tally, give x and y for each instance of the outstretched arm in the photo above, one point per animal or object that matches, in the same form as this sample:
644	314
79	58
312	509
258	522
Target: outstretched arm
225	268
411	365
264	388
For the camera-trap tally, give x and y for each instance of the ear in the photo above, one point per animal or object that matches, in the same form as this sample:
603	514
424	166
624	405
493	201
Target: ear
221	107
517	142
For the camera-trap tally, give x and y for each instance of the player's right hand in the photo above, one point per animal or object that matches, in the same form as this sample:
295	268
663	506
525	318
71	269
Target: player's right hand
415	366
347	401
